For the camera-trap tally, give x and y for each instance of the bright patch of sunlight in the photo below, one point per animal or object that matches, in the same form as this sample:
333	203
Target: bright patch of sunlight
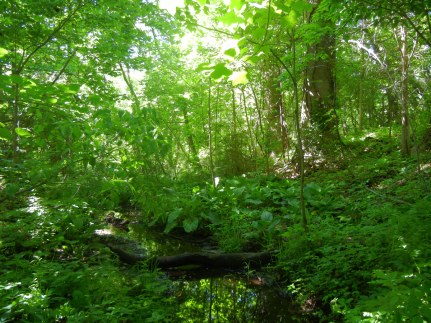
171	5
369	135
239	78
34	206
409	276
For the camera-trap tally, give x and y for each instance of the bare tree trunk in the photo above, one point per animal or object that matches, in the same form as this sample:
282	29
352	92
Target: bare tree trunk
252	145
299	142
405	60
210	143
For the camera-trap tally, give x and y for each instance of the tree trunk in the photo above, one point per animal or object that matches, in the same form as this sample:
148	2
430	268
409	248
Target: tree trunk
319	84
405	60
210	140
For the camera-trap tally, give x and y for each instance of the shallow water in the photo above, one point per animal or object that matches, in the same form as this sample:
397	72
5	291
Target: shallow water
206	295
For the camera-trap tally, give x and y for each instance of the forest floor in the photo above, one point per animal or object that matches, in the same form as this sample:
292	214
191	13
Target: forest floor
365	255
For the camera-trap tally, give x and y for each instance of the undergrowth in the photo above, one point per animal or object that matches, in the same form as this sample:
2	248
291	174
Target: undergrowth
364	256
52	271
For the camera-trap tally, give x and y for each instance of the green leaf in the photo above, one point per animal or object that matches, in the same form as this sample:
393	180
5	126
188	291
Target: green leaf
239	78
3	52
22	132
292	19
236	4
202	2
230	52
252	201
190	225
172	217
220	70
302	6
231	18
5	134
259	33
11	189
203	67
73	88
266	216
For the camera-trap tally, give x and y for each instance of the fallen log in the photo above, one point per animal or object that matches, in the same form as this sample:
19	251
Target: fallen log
225	261
128	252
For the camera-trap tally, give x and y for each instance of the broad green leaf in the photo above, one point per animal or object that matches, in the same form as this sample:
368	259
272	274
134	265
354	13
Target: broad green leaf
220	70
52	100
292	19
253	59
236	4
266	216
73	88
203	67
239	78
94	99
231	18
190	225
301	6
259	33
230	52
3	52
17	79
5	134
202	2
22	132
172	217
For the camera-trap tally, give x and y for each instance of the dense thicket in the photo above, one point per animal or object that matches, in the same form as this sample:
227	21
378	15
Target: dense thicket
298	126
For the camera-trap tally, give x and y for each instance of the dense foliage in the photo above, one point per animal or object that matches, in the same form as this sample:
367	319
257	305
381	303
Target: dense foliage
300	127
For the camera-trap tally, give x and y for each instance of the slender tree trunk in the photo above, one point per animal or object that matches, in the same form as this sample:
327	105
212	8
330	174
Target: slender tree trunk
15	123
210	143
405	59
249	127
259	122
299	142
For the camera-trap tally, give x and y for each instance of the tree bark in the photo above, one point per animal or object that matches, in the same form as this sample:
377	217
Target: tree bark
319	83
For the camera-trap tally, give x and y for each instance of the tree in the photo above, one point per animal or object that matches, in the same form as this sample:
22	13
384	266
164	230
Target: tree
404	16
319	81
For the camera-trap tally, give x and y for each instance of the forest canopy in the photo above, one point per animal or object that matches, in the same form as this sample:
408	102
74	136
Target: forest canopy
300	127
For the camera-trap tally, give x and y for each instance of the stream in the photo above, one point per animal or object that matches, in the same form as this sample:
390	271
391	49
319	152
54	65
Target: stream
205	295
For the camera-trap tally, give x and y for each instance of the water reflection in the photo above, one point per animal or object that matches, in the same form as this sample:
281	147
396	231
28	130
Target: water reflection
206	295
230	299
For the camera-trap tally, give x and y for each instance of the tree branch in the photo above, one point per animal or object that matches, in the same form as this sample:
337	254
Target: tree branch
47	40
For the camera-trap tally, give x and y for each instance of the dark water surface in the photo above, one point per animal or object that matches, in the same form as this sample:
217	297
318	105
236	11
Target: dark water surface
206	295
